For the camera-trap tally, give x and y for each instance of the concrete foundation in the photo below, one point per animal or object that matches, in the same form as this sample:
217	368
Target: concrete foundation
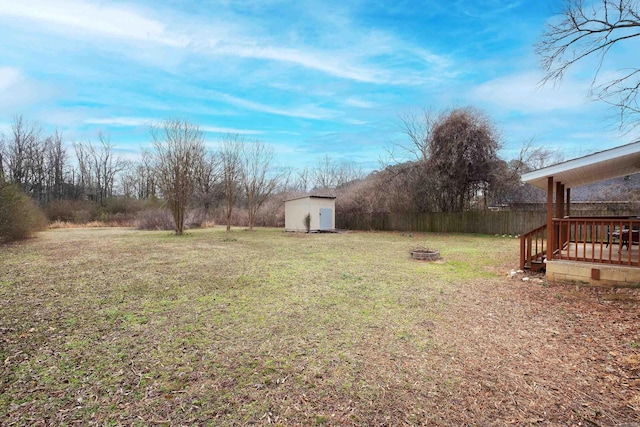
593	274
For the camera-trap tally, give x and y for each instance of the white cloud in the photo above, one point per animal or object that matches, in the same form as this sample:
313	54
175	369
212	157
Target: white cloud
601	135
17	91
486	9
145	121
303	111
359	103
121	121
222	35
9	77
356	122
523	93
438	61
216	129
87	17
333	64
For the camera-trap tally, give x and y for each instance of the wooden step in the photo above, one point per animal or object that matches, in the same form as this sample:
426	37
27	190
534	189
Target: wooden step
536	265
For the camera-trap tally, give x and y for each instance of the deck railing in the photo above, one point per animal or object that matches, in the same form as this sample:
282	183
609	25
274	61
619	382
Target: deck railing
608	240
533	247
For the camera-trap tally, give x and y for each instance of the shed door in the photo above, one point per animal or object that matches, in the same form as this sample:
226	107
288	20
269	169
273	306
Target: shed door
326	217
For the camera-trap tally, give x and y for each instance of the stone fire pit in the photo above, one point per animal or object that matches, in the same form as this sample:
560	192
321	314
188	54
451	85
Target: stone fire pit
425	254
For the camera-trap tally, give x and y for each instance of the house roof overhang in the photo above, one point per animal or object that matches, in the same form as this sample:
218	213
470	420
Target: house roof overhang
600	166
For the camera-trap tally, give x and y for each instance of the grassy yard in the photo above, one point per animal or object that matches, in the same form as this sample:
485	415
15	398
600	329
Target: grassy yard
124	327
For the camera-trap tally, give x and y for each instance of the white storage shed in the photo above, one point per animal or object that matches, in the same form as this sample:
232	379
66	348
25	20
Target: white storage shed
322	210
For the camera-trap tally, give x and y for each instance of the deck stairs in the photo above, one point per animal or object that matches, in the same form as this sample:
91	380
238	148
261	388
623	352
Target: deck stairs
533	249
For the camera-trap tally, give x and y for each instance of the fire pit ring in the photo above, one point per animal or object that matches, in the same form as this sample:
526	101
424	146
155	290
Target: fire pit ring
425	254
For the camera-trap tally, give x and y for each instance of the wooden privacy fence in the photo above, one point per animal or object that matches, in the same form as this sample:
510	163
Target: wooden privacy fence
480	222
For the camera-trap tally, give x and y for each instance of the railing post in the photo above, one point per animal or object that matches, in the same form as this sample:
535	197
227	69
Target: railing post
550	230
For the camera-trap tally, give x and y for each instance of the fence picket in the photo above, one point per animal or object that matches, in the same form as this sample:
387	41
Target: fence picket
479	222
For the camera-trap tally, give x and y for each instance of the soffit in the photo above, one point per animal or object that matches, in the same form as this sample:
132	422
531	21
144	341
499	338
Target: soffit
613	163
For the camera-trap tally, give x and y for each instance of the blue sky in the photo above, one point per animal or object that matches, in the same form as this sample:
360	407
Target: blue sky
311	78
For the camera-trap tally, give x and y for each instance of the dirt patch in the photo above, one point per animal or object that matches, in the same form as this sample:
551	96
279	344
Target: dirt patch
532	352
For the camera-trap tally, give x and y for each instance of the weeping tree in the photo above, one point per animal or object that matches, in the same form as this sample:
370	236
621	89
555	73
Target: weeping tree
177	157
455	161
463	147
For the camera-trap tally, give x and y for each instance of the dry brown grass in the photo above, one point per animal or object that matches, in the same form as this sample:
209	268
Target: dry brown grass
67	224
123	327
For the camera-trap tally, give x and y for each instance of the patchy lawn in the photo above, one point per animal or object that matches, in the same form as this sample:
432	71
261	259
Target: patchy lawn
124	327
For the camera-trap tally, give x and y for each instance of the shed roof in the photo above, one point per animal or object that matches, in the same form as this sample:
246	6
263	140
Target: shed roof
311	197
612	163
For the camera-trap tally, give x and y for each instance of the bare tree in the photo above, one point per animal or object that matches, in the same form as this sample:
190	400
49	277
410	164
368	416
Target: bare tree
302	181
146	177
330	174
207	176
36	164
230	161
98	166
107	166
2	156
177	155
592	30
84	181
325	173
506	185
128	180
138	178
347	172
417	128
286	182
39	171
56	161
257	162
21	150
531	158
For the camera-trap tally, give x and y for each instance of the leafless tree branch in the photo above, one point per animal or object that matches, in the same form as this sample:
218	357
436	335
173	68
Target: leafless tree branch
586	31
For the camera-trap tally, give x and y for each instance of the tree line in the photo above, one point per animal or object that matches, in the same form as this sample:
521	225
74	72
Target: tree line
453	166
177	171
40	164
456	158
